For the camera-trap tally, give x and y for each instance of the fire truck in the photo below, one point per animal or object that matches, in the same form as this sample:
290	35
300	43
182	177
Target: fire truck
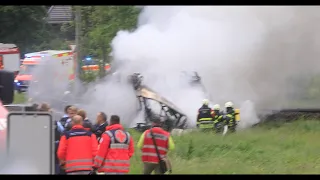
31	60
9	57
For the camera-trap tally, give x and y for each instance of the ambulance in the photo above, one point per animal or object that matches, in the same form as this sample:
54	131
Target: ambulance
31	60
9	57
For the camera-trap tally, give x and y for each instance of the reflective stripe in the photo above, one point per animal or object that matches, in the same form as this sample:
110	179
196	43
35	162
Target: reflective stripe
206	122
116	167
117	161
78	167
79	160
153	147
119	146
96	164
110	135
99	158
152	154
158	136
205	119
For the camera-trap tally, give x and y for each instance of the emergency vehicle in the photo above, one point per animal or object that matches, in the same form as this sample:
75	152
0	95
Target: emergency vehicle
9	57
31	60
92	65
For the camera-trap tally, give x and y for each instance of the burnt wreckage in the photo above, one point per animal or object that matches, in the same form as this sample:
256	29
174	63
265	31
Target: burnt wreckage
170	115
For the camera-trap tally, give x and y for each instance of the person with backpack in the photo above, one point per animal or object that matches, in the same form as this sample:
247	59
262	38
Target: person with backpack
155	144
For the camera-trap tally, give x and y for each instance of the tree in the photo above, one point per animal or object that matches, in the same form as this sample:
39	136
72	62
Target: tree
26	27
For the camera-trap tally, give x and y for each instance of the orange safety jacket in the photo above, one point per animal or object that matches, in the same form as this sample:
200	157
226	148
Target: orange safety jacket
116	149
149	153
77	148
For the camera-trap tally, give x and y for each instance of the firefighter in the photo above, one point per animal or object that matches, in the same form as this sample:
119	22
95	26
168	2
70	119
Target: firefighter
137	80
86	122
205	116
116	149
101	124
230	117
164	144
77	148
218	118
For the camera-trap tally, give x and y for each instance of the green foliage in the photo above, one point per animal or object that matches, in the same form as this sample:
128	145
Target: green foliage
26	27
89	76
101	25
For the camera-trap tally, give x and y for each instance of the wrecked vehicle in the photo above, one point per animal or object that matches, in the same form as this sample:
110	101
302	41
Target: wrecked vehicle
171	116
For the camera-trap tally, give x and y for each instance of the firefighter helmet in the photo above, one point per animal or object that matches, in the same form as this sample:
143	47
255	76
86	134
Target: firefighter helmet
205	102
229	105
216	107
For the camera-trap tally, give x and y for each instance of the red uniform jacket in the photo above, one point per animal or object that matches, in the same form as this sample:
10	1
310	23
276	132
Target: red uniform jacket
116	149
77	148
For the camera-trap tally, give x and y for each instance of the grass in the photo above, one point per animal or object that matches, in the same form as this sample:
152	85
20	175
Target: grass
290	149
19	98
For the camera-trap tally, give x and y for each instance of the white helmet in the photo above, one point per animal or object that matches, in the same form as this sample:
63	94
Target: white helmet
228	105
205	102
216	107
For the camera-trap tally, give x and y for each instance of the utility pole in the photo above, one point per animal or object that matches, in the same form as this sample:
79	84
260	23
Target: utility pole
78	36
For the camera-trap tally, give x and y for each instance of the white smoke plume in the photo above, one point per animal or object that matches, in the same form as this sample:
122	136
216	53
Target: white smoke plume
257	57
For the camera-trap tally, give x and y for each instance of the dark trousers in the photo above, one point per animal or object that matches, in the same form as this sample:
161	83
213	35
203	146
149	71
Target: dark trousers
149	167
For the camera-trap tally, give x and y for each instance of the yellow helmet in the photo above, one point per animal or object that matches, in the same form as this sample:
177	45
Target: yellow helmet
228	105
205	102
216	107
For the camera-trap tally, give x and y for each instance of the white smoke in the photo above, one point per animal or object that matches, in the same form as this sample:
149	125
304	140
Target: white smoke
242	53
260	54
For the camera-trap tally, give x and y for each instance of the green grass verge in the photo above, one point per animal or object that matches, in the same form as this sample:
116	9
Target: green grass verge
288	149
19	98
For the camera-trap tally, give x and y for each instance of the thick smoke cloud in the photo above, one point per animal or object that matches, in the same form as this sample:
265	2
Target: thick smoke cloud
257	57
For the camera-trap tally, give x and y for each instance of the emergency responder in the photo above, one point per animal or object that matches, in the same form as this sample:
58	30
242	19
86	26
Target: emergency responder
86	122
77	148
205	116
230	117
163	142
218	118
101	124
116	149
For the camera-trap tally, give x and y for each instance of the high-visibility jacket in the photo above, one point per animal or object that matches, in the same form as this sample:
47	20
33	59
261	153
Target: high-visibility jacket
218	116
77	148
232	117
116	149
205	117
149	153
